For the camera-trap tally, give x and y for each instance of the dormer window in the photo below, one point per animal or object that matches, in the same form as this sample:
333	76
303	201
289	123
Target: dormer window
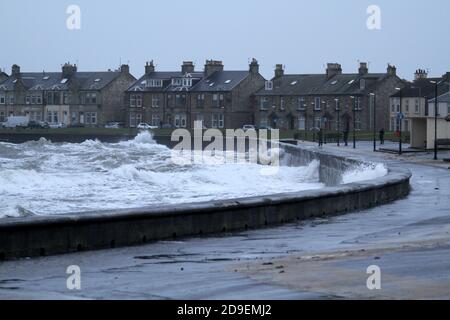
293	83
269	85
176	82
154	83
187	82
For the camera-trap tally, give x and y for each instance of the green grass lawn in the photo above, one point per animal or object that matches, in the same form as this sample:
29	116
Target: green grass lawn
284	134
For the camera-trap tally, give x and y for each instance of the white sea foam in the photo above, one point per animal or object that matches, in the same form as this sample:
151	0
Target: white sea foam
51	178
364	172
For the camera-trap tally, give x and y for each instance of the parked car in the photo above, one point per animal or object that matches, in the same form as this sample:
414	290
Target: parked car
38	125
144	126
112	125
248	127
265	128
57	125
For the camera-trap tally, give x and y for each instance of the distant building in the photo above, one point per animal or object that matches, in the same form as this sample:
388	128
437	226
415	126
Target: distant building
414	101
70	97
312	101
3	76
216	97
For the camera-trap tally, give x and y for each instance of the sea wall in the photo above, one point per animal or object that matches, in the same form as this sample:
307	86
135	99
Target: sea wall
48	235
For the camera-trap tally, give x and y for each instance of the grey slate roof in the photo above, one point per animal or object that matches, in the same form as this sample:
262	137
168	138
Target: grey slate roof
221	81
218	81
56	81
442	98
319	84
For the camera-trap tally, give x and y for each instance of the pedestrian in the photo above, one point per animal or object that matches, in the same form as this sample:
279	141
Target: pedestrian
320	137
346	137
382	136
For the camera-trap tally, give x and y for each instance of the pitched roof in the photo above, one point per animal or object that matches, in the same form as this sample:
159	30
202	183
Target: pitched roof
165	76
55	80
418	88
320	84
442	98
221	81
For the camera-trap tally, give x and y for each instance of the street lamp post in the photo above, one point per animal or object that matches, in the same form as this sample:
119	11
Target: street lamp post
436	109
399	119
338	109
354	121
374	121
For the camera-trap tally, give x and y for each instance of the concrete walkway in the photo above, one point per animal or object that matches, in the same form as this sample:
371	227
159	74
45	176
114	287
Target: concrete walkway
324	258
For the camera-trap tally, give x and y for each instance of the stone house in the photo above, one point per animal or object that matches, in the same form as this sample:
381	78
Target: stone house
333	100
70	97
217	97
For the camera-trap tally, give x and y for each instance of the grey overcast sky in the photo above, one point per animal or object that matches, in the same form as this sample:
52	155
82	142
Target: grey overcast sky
302	35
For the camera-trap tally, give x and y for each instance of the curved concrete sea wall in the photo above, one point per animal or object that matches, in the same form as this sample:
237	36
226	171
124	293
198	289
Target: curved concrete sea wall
39	236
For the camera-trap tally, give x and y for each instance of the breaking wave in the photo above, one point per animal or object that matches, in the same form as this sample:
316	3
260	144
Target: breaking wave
53	178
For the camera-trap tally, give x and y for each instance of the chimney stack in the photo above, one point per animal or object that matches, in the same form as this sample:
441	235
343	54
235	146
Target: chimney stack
125	68
254	66
149	67
279	71
363	69
68	70
212	66
333	69
187	67
391	70
15	70
420	74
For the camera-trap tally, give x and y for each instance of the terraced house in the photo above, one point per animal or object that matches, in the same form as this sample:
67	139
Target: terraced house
69	97
216	97
332	101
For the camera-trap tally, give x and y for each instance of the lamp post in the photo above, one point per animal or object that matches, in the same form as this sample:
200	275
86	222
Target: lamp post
374	121
436	109
354	121
400	119
338	109
314	121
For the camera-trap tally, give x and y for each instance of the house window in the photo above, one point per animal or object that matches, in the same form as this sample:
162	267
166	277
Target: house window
417	107
358	125
27	100
200	100
217	100
180	100
301	123
2	99
269	85
217	120
91	98
264	103
263	121
11	100
180	121
66	98
156	121
317	104
407	105
135	100
154	83
187	82
301	104
39	99
2	116
53	98
282	103
52	117
155	101
176	82
448	108
318	122
200	118
91	117
358	103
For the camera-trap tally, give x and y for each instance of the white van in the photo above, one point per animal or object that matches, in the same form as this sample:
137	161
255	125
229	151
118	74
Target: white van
15	121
